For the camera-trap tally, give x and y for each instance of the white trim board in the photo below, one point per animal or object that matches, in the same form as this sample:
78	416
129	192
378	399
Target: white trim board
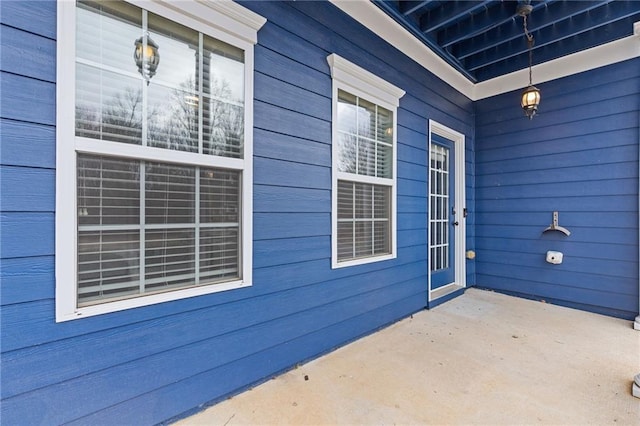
373	18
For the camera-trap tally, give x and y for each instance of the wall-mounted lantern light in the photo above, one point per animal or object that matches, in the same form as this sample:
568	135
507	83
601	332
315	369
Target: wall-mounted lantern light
146	56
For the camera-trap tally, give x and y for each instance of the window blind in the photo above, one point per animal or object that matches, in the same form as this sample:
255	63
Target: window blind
364	212
173	244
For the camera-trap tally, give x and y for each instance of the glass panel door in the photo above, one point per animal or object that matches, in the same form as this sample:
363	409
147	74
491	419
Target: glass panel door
442	220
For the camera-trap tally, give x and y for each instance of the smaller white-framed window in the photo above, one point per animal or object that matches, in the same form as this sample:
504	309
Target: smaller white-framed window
154	152
364	176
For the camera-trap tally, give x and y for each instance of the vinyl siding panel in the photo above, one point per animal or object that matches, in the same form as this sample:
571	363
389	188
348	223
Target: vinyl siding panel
579	157
151	364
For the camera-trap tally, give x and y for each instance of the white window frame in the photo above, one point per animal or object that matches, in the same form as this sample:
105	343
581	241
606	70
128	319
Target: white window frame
357	81
223	20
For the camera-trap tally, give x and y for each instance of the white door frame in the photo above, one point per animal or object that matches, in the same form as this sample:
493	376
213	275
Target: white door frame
460	274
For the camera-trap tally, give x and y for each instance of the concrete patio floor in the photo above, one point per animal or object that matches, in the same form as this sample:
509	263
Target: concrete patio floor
482	358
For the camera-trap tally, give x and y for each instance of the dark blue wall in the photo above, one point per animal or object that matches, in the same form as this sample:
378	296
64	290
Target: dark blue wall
579	157
150	364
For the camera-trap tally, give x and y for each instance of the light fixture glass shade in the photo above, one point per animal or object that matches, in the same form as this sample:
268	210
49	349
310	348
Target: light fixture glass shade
530	101
147	57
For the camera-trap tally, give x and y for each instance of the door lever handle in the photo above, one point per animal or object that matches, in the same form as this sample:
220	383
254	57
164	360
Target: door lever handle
455	223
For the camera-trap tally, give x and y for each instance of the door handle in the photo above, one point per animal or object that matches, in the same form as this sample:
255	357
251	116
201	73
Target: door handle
455	223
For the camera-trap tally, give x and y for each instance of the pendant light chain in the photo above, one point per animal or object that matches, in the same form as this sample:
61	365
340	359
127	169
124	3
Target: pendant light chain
531	95
529	37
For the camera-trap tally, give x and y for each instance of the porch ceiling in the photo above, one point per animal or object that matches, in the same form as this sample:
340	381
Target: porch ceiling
484	39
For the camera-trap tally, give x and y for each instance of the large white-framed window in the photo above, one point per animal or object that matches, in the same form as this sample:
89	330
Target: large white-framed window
364	147
154	152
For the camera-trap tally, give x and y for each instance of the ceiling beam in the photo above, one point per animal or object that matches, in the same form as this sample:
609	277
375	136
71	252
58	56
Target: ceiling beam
408	7
539	18
494	16
399	18
589	41
450	12
587	22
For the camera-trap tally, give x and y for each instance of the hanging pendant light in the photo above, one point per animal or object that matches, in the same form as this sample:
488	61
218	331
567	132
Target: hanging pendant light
531	95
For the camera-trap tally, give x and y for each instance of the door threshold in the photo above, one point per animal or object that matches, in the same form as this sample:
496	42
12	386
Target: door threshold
444	291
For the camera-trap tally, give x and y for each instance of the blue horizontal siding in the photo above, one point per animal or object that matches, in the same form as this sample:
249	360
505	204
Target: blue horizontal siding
29	324
212	386
26	234
269	171
283	147
504	188
579	156
146	365
280	199
27	189
597	301
73	401
27	99
580	265
28	54
291	97
275	64
178	330
533	157
611	234
598	88
591	250
33	17
605	219
26	279
279	120
561	132
27	144
597	203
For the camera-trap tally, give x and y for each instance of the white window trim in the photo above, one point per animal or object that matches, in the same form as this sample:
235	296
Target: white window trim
226	21
359	82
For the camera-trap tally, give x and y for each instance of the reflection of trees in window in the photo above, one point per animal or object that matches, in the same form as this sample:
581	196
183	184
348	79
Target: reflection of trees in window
365	137
348	153
119	120
172	122
223	122
175	124
357	137
122	118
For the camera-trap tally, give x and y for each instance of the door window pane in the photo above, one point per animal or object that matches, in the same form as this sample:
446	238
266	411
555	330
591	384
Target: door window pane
440	207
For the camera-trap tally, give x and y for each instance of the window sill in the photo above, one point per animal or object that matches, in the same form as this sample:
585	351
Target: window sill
361	261
152	299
